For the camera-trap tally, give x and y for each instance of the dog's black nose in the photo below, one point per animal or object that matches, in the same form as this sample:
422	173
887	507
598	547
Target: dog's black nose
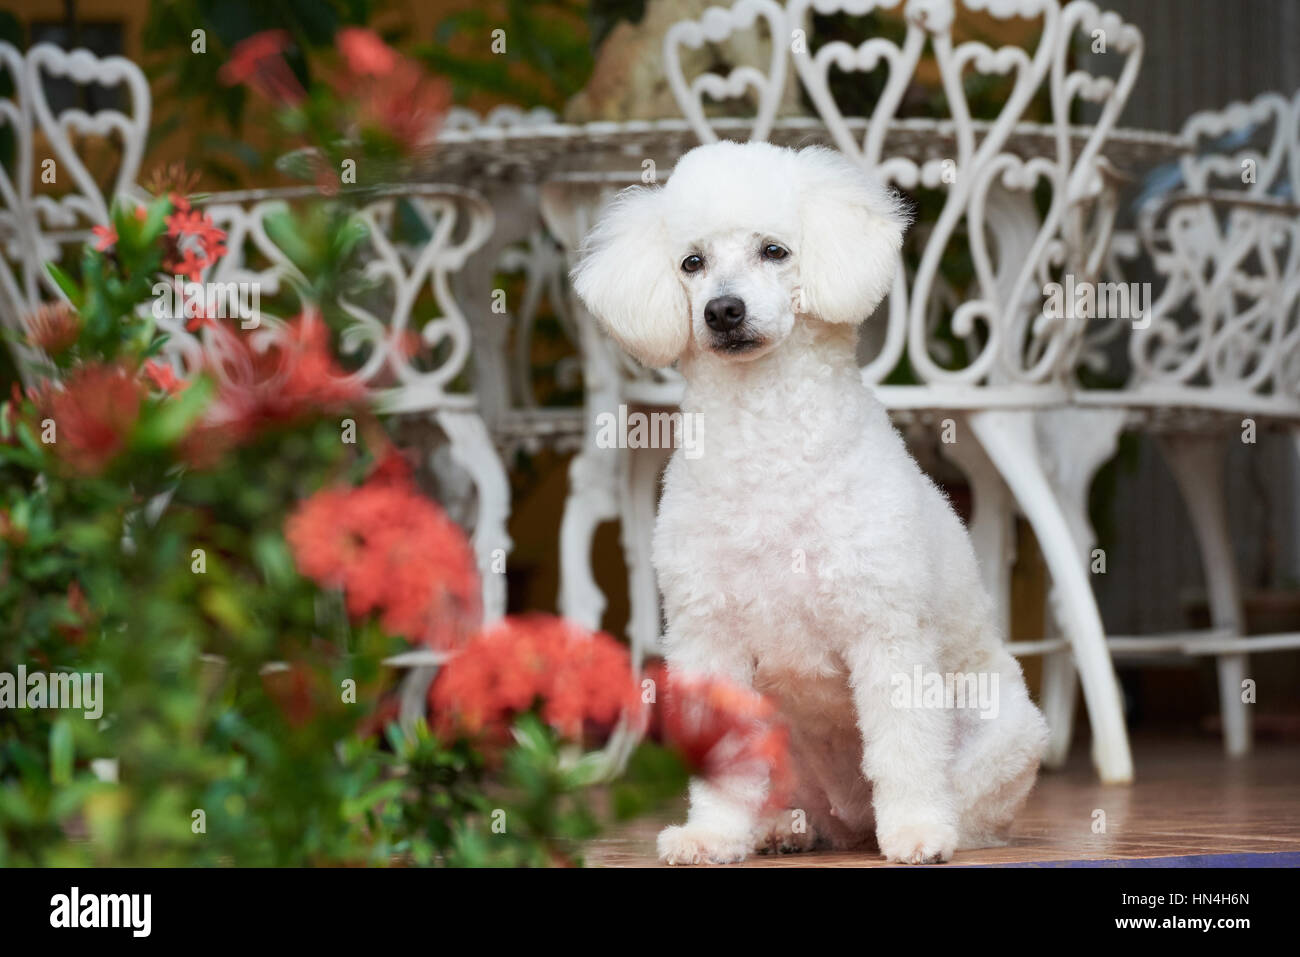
724	313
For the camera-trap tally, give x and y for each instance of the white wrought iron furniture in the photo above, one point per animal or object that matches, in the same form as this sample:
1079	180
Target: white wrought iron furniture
1215	356
39	225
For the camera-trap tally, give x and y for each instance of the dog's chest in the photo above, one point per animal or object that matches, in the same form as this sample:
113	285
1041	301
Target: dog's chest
772	537
752	575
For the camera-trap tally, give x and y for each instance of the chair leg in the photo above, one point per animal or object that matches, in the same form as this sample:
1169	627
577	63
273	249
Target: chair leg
638	519
1008	438
1197	461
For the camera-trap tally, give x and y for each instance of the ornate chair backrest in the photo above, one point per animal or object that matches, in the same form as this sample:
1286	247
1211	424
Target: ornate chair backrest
406	338
16	240
983	173
71	130
716	25
1226	247
49	203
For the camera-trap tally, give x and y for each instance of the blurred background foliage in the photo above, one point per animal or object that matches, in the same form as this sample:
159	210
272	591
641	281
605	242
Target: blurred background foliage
545	58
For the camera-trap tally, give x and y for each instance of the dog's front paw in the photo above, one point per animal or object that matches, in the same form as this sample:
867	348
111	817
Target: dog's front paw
918	843
694	845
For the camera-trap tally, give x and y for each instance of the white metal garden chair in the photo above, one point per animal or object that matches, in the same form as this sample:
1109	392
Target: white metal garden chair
1217	356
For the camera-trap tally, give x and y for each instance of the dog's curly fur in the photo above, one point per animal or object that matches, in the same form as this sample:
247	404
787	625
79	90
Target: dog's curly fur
802	551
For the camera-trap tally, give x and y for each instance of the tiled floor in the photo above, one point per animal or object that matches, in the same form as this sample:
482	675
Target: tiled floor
1188	799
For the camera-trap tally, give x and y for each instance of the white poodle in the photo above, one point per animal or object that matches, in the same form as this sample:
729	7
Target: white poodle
802	551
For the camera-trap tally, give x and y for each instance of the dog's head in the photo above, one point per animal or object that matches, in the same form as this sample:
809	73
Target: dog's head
744	241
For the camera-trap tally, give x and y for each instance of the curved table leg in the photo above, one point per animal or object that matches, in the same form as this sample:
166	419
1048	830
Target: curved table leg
1074	444
1008	438
1197	461
594	476
472	449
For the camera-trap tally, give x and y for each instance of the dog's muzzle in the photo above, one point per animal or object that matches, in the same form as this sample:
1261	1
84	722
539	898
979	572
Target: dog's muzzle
725	317
724	313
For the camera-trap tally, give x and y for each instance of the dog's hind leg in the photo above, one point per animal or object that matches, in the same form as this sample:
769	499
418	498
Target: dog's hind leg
997	762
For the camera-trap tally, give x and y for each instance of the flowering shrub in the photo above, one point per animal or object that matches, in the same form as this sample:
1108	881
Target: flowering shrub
198	536
377	104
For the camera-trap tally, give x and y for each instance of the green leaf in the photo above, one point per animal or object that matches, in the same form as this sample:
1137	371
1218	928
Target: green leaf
171	418
283	230
65	283
372	799
61	752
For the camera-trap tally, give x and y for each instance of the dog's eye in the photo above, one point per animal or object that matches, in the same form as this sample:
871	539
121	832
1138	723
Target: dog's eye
692	264
774	252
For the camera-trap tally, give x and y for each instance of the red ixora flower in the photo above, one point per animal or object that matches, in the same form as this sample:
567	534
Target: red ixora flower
53	328
258	62
93	413
724	732
393	552
263	385
578	676
105	237
390	92
364	52
163	377
193	242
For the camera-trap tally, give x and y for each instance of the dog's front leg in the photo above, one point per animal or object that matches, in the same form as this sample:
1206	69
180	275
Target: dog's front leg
720	826
907	751
724	813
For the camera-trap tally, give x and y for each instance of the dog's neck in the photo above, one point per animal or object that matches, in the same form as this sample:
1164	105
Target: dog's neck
813	376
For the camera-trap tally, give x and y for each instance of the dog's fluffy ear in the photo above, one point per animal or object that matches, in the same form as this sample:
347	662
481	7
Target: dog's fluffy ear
626	277
852	230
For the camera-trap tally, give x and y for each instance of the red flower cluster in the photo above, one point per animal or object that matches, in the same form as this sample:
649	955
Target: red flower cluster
193	242
93	413
163	377
577	675
294	376
191	245
723	731
389	91
382	88
259	62
393	552
105	237
53	328
364	52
